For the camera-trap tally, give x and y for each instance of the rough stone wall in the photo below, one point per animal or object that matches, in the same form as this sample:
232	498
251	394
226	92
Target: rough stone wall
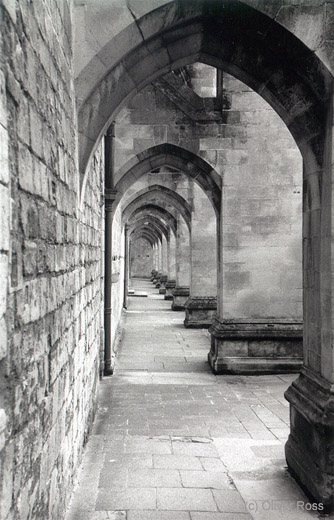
5	450
49	361
141	258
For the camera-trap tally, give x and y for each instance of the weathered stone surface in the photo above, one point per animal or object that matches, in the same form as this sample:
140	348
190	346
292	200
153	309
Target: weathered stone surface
180	296
141	258
55	283
170	285
51	231
255	346
200	311
309	450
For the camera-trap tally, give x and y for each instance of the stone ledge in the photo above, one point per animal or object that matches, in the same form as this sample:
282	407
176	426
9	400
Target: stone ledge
253	366
255	329
180	296
181	291
170	285
256	347
201	302
200	311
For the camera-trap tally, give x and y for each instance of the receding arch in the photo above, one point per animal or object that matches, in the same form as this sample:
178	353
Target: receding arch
155	234
142	237
154	222
270	59
168	154
230	35
162	214
161	196
142	234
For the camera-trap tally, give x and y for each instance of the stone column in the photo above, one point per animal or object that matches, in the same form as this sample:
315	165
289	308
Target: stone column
110	195
171	282
126	265
160	257
310	447
164	268
201	305
258	328
155	263
181	291
158	264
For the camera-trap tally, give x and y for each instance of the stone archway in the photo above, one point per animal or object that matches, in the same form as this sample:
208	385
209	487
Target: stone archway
161	195
174	156
157	212
228	35
144	221
243	41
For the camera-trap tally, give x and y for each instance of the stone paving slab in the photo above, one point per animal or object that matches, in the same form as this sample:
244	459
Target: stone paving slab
158	515
186	500
171	441
120	498
177	462
205	479
219	516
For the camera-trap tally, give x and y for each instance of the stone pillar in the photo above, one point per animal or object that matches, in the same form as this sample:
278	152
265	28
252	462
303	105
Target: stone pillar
159	264
310	447
171	282
201	305
126	265
110	195
156	258
164	268
181	291
258	328
160	257
155	263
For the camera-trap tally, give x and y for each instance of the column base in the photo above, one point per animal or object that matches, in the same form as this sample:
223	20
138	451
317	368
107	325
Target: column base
156	281
170	285
256	347
163	280
180	296
309	450
200	311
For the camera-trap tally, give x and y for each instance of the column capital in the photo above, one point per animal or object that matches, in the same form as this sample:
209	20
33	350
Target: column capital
109	198
111	130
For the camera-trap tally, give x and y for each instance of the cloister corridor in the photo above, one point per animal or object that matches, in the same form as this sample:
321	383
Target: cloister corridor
172	441
183	149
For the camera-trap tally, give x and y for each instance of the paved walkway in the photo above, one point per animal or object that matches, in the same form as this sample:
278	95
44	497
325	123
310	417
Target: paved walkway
171	441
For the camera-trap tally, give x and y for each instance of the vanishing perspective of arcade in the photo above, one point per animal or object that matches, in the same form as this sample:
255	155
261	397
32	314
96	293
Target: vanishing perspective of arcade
180	145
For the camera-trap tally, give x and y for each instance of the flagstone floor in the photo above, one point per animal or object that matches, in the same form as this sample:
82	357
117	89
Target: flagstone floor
172	441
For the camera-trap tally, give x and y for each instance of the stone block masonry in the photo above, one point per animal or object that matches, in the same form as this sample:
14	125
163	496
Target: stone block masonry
141	259
51	232
50	252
